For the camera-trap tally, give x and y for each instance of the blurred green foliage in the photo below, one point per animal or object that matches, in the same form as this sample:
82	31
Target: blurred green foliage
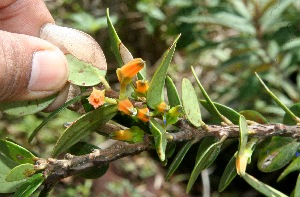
226	40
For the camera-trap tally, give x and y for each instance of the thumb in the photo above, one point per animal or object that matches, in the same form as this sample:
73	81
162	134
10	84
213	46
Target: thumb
30	68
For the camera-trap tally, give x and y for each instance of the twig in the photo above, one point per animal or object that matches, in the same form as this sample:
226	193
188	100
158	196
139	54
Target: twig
57	169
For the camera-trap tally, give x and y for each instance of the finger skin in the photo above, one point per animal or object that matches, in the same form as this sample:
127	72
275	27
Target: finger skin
18	19
16	53
24	16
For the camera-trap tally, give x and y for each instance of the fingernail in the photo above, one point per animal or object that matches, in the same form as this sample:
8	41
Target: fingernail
49	71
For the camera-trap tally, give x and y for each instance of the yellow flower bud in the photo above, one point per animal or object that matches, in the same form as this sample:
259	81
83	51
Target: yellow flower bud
163	107
132	135
143	114
142	86
126	107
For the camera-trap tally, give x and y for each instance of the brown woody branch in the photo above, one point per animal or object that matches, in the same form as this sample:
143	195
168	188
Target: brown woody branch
57	169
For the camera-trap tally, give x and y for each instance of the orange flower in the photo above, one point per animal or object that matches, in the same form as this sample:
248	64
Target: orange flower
96	98
126	107
143	114
163	107
129	70
142	86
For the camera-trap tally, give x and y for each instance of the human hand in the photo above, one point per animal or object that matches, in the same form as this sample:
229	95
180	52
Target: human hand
30	68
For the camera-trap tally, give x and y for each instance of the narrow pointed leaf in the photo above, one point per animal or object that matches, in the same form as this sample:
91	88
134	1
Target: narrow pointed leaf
262	187
170	149
212	107
16	152
277	153
243	127
228	174
160	139
204	160
190	103
178	159
229	113
287	111
82	73
20	172
271	16
30	186
172	93
243	154
288	119
114	39
53	114
85	125
297	188
293	166
22	108
254	116
155	91
6	165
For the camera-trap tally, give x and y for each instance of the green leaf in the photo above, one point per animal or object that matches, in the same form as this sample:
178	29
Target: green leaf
20	172
232	21
122	54
277	153
155	91
297	188
160	138
211	107
288	119
22	108
82	73
292	44
178	159
262	187
82	127
243	127
254	116
293	166
289	112
243	153
170	149
205	157
114	39
172	93
81	148
6	165
190	103
228	174
241	8
30	186
53	114
16	152
229	113
271	16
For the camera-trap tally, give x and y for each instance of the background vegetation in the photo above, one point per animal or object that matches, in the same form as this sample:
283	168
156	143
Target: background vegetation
225	40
